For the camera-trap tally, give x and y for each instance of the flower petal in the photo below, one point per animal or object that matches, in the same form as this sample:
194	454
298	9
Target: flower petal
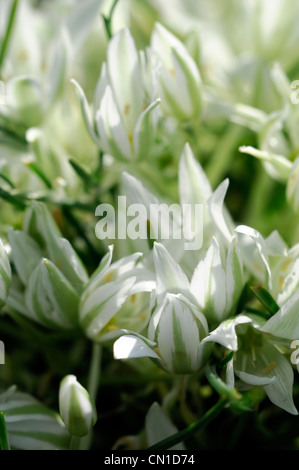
129	346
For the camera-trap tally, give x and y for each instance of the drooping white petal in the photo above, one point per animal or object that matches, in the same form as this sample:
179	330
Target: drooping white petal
225	334
129	346
254	379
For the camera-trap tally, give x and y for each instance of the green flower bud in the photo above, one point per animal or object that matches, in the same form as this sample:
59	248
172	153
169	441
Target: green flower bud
40	225
25	252
176	338
50	298
76	407
178	328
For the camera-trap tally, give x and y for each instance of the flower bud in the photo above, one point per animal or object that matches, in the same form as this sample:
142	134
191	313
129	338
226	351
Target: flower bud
176	338
40	225
5	275
50	298
180	81
178	328
125	118
25	252
76	407
216	287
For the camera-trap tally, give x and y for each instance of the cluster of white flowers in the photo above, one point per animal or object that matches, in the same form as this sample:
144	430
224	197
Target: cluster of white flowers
235	299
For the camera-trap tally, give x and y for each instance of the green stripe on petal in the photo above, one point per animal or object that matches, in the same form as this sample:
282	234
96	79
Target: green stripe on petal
30	424
76	407
5	275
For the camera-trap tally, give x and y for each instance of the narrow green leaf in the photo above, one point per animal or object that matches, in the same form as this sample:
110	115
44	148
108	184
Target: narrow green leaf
211	414
266	299
82	173
217	383
4	442
39	172
14	200
7	36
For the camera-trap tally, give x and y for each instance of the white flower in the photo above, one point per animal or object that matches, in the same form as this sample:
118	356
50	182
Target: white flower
180	81
257	360
217	286
116	298
176	331
76	407
124	121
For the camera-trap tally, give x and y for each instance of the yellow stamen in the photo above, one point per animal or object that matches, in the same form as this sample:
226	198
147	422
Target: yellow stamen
269	368
127	109
112	328
108	277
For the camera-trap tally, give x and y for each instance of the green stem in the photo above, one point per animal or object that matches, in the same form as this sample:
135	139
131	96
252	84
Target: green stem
39	172
95	370
211	414
7	36
74	443
108	20
4	441
92	387
258	200
223	155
